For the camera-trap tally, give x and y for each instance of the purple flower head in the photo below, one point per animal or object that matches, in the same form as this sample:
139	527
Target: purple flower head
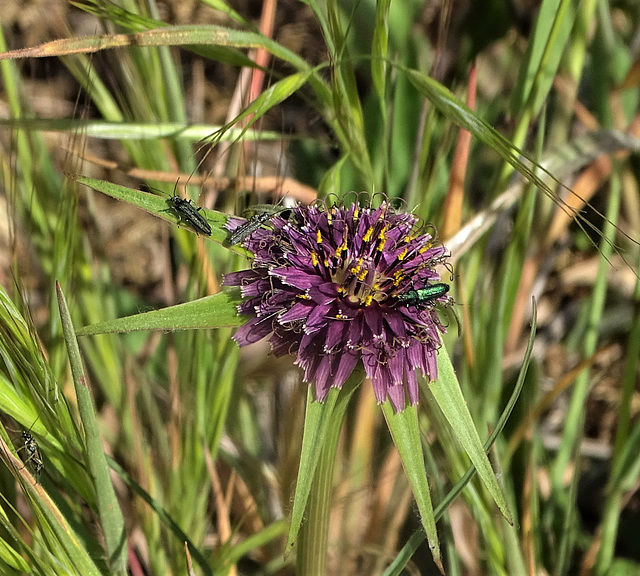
336	285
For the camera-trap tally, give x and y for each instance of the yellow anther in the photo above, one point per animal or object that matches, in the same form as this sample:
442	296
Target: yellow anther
382	240
368	300
314	259
319	237
367	235
425	247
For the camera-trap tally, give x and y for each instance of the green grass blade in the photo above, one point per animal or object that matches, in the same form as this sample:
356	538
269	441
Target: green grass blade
611	516
319	418
408	550
459	113
447	393
72	553
542	59
406	436
155	205
109	511
107	130
163	515
164	36
269	98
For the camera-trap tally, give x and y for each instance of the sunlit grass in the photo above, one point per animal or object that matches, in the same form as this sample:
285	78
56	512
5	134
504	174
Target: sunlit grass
204	440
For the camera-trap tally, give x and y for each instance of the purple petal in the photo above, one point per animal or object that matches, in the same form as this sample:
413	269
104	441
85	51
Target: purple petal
241	278
253	331
317	319
397	397
345	363
297	278
299	311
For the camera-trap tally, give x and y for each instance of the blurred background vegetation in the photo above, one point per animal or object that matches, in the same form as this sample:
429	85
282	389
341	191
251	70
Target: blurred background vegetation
203	438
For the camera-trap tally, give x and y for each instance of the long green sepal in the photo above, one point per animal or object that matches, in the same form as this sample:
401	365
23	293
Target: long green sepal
446	392
320	418
217	311
406	436
408	550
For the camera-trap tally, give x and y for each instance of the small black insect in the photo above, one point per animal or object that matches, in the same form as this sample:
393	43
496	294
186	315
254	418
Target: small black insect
242	233
257	220
32	451
189	213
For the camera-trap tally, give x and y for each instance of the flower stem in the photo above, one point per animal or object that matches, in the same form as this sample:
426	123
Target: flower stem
313	537
314	532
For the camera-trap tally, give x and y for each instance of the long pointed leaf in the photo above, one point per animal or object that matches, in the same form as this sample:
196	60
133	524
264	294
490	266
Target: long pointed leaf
406	436
446	392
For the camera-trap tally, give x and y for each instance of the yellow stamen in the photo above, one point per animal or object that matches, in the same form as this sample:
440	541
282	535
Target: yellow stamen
425	247
356	269
382	239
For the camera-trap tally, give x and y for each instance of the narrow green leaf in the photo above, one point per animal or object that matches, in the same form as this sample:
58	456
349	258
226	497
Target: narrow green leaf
379	48
316	426
269	98
408	550
111	518
406	436
195	37
446	391
154	204
215	311
163	515
12	558
542	59
107	130
319	417
459	113
76	558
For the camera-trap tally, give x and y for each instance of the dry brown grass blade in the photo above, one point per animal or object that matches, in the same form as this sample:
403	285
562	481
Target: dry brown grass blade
452	217
261	184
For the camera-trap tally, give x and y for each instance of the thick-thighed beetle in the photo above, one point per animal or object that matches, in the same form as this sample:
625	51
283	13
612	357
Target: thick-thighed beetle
190	214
